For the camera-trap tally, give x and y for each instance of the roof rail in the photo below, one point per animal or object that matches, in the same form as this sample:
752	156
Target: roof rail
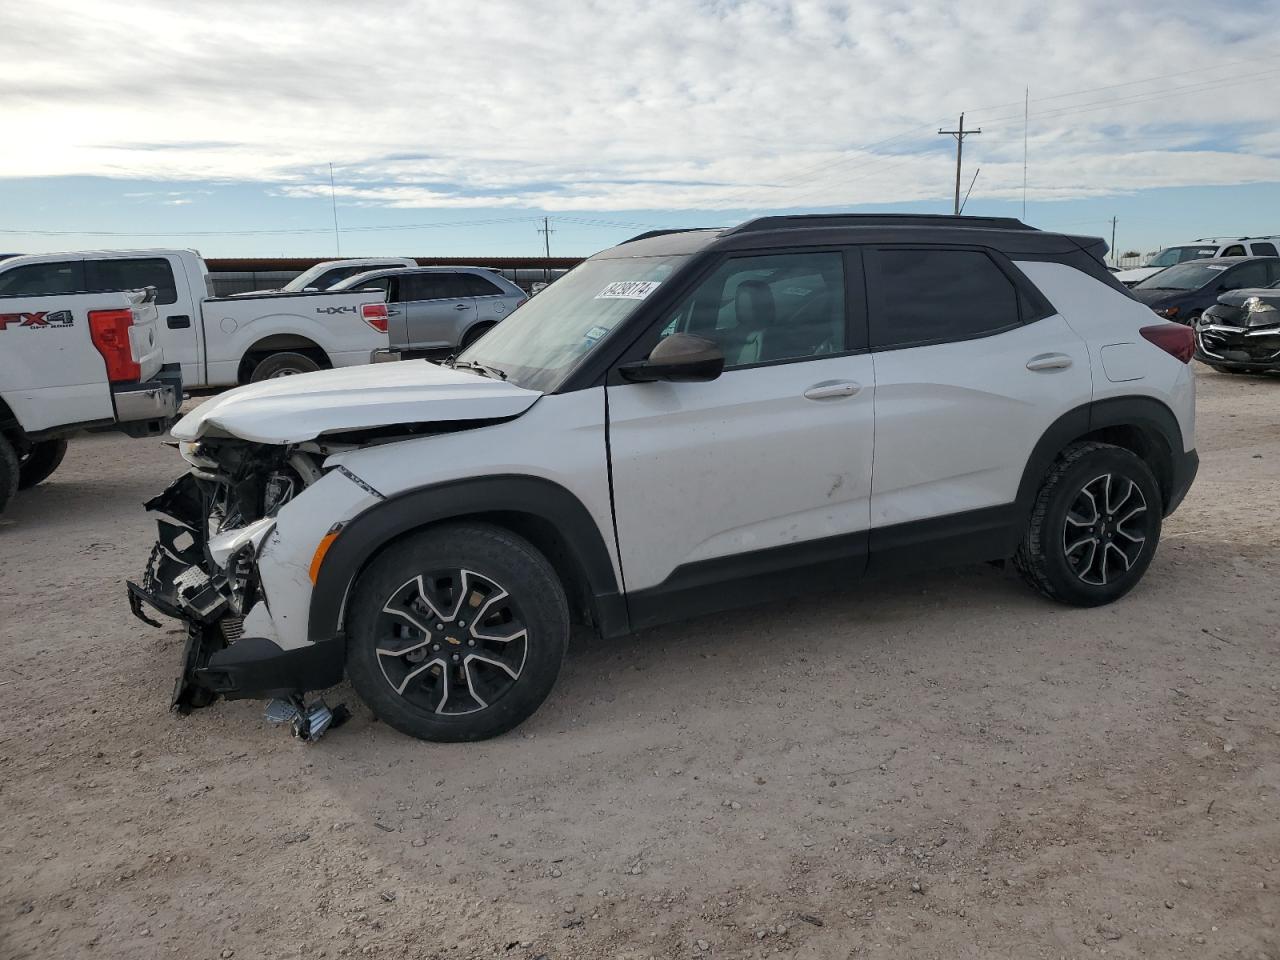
877	220
662	233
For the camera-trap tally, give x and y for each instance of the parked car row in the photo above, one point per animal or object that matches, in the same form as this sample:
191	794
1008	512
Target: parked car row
1208	248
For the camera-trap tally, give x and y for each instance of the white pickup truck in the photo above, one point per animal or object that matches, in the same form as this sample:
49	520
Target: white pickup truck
72	362
219	341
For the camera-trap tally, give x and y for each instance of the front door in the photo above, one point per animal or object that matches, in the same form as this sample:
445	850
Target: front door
759	480
438	307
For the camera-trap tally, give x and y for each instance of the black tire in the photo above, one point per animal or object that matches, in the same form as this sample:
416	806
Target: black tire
475	333
9	471
1059	553
284	364
431	691
40	460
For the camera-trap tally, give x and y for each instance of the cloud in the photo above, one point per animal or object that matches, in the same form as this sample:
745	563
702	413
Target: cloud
676	104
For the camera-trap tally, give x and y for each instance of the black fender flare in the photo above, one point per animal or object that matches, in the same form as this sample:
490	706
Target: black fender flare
504	494
1146	414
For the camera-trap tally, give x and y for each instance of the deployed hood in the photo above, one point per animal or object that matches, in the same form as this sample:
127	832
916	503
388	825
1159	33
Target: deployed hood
1236	298
300	408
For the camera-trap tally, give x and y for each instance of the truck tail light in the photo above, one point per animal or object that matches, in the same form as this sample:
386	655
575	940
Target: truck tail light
1173	338
109	330
375	315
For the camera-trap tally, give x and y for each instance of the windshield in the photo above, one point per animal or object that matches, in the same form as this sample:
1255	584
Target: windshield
306	279
1171	255
1184	276
540	344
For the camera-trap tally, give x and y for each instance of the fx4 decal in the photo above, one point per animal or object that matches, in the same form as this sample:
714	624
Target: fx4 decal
58	318
332	310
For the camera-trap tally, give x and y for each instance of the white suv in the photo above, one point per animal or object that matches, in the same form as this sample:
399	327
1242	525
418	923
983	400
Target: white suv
1207	249
688	422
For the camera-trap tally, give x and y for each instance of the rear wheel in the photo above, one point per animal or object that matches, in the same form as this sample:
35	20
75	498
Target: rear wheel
457	633
40	460
475	333
1094	527
9	471
284	364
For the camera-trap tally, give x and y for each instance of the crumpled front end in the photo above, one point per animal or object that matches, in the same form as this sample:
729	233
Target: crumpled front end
237	541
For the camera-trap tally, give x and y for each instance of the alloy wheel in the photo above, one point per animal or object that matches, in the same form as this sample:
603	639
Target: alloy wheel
1104	532
451	642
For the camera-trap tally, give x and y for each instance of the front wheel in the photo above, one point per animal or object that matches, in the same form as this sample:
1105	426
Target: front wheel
457	633
39	462
1094	526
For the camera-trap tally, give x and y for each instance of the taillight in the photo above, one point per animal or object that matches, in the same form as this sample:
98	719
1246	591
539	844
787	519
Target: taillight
375	315
109	330
1173	338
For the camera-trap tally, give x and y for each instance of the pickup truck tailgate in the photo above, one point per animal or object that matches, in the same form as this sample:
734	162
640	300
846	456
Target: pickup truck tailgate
144	336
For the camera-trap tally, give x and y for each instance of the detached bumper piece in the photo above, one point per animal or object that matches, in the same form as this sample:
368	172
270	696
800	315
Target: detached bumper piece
180	582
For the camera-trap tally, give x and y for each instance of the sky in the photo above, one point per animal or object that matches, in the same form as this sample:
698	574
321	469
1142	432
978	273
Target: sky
453	127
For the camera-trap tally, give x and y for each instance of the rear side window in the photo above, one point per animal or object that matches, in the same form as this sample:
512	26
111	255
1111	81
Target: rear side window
1252	274
105	276
1263	249
40	279
479	286
432	286
931	296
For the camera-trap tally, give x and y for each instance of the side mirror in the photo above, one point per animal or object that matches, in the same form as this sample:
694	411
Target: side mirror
679	358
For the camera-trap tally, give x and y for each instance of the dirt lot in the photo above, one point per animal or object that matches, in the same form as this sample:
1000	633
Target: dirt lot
940	767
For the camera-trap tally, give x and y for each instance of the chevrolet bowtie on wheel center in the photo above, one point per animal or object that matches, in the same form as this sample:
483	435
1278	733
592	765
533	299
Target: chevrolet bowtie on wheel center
689	422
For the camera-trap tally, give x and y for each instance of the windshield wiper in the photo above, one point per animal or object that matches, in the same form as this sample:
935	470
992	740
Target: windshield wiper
480	368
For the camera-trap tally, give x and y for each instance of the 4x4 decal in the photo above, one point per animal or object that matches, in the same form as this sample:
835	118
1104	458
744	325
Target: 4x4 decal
58	318
332	310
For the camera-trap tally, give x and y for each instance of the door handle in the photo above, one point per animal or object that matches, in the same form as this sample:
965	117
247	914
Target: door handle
178	322
1049	361
461	306
833	390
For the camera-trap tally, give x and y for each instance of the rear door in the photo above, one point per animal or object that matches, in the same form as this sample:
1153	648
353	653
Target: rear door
438	307
493	303
972	365
179	325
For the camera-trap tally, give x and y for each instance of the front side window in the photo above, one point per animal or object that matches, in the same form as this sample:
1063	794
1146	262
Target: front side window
931	296
41	279
539	345
103	276
769	308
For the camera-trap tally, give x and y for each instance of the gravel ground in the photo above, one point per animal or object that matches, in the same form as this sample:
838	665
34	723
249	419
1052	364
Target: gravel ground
945	766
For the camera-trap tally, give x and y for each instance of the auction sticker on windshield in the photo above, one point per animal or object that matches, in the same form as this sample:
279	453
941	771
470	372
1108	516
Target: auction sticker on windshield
628	290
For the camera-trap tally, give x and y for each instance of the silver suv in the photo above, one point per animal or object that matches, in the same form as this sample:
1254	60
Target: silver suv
440	309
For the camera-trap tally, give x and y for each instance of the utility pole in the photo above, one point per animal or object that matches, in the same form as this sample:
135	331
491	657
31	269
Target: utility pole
1115	259
959	134
546	232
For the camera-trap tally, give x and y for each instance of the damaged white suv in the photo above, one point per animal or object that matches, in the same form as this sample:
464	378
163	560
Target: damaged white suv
688	422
